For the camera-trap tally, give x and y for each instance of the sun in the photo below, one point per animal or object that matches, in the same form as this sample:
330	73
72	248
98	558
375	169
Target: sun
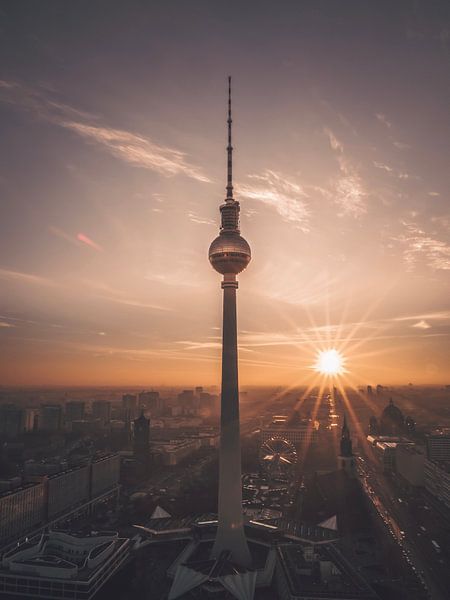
329	362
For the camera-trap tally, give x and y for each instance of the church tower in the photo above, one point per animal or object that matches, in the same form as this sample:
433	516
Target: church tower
346	460
141	438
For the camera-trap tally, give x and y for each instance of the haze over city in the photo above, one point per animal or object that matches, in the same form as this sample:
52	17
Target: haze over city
112	169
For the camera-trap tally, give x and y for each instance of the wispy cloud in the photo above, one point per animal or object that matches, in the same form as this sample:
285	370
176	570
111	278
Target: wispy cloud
106	292
441	316
334	142
393	171
137	150
419	247
25	277
134	302
349	192
87	240
383	119
401	145
285	196
77	240
200	220
421	325
133	148
350	196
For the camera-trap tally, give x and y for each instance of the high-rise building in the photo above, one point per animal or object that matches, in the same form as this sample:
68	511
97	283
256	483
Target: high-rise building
67	489
437	480
187	399
31	418
50	417
438	446
129	405
104	474
74	411
229	254
11	421
150	400
409	464
101	410
21	509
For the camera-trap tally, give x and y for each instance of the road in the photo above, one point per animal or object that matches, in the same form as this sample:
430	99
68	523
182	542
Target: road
419	554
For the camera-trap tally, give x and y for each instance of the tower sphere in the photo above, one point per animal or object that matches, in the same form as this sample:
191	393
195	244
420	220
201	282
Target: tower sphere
229	253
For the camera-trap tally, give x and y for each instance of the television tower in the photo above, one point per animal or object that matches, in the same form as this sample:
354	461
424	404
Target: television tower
229	254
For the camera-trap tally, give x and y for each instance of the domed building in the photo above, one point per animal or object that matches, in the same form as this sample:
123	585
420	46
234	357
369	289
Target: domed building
392	421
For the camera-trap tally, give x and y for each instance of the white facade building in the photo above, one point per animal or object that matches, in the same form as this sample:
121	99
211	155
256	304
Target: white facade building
62	565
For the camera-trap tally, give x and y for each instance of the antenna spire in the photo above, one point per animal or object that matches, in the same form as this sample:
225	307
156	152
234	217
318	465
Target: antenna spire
229	148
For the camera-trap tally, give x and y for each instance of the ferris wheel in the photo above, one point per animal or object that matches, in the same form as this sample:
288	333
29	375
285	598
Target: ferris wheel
278	457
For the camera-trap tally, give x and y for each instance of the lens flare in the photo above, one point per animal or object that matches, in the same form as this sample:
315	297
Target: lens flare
329	362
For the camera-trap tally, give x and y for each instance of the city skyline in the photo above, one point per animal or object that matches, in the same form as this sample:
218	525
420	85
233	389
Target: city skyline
112	170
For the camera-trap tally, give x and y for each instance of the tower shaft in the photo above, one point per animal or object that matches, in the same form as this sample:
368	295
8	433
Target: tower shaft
229	254
230	532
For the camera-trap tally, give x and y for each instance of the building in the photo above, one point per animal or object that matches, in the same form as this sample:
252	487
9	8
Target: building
12	422
82	485
298	432
173	452
66	490
150	400
437	480
346	460
129	408
31	416
187	399
62	565
104	474
410	464
75	411
85	427
392	421
438	445
33	468
317	571
22	508
386	447
101	411
129	402
297	561
50	417
141	438
53	496
386	452
229	255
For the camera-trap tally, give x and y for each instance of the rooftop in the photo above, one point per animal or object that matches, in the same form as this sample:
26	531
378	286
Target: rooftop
78	555
21	488
321	572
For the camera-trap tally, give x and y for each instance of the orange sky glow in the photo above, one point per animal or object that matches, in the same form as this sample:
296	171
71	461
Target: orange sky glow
113	170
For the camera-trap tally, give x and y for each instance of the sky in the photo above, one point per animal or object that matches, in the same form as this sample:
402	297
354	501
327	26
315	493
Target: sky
112	170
